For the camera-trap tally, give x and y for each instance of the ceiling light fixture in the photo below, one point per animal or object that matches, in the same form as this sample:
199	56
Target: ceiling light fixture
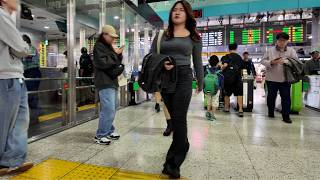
116	17
46	27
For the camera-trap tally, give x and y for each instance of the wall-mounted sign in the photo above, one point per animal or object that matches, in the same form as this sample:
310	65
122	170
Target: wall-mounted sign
197	13
43	55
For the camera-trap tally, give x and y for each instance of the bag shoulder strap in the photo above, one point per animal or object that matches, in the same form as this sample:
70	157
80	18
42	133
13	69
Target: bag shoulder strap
208	70
159	41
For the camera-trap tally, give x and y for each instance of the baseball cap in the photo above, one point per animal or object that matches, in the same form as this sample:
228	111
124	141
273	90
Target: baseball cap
110	31
314	51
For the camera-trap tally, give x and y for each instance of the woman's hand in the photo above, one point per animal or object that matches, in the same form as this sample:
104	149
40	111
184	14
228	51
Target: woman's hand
168	65
118	50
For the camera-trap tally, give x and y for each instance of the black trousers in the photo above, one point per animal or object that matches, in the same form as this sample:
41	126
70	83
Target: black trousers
178	104
33	86
284	88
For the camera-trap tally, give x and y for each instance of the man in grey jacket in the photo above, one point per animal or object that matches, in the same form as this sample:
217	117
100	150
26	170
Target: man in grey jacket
274	59
14	109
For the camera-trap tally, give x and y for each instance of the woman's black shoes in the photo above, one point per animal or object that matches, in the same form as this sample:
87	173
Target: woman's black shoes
173	173
168	130
157	107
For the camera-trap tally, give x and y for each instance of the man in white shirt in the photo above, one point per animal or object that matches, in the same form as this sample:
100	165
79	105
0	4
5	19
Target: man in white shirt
14	108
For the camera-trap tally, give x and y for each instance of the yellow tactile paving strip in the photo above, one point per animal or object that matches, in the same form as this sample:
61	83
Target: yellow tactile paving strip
55	115
54	169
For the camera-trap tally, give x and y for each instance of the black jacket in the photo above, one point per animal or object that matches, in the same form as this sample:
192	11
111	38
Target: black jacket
105	61
293	70
86	65
153	77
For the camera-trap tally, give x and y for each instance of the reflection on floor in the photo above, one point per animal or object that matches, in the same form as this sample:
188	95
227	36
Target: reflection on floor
252	147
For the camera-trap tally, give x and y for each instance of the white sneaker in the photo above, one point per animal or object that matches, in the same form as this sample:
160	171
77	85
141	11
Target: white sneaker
114	136
102	141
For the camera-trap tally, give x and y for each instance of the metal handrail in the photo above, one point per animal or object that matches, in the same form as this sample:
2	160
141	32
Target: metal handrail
55	79
45	79
44	91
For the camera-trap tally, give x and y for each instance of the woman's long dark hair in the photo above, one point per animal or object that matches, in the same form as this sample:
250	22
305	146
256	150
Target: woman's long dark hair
191	23
103	41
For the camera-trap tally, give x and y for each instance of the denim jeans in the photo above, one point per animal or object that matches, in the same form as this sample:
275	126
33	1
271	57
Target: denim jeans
14	122
108	103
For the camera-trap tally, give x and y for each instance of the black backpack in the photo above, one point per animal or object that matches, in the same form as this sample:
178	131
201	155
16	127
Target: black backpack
232	72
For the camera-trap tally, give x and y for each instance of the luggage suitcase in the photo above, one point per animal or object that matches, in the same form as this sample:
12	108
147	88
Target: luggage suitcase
248	86
296	99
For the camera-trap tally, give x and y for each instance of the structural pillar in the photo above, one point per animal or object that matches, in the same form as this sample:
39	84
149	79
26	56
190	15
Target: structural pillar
315	43
82	42
123	36
102	14
71	10
136	43
146	39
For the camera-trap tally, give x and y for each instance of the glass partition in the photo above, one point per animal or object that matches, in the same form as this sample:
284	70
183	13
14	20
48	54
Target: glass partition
52	100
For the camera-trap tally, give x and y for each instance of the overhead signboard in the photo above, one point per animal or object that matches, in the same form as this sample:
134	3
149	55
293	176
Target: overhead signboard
296	31
212	38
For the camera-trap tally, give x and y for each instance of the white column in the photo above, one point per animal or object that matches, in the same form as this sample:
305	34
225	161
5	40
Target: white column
315	30
123	35
154	33
82	42
136	42
71	10
146	39
102	14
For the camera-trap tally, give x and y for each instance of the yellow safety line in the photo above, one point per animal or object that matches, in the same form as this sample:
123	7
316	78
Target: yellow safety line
59	114
61	169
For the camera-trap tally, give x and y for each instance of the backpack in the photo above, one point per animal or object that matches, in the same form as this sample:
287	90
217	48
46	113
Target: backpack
211	82
232	72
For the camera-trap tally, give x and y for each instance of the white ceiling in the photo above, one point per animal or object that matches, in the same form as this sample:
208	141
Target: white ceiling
42	19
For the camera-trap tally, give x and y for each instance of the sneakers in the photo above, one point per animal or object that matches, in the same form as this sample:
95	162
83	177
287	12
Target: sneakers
102	141
4	170
107	140
114	136
24	167
210	116
213	118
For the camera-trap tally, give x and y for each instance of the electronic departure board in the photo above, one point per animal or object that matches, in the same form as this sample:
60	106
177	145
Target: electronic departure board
212	38
296	33
251	36
245	36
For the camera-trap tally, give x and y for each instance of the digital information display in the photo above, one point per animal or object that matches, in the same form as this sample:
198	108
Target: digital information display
251	36
212	38
244	36
296	33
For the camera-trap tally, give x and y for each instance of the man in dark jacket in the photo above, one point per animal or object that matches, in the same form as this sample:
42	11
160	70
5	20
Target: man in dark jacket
313	65
248	64
86	70
107	65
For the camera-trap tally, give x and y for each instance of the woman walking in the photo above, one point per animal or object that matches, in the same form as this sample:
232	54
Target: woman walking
180	41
